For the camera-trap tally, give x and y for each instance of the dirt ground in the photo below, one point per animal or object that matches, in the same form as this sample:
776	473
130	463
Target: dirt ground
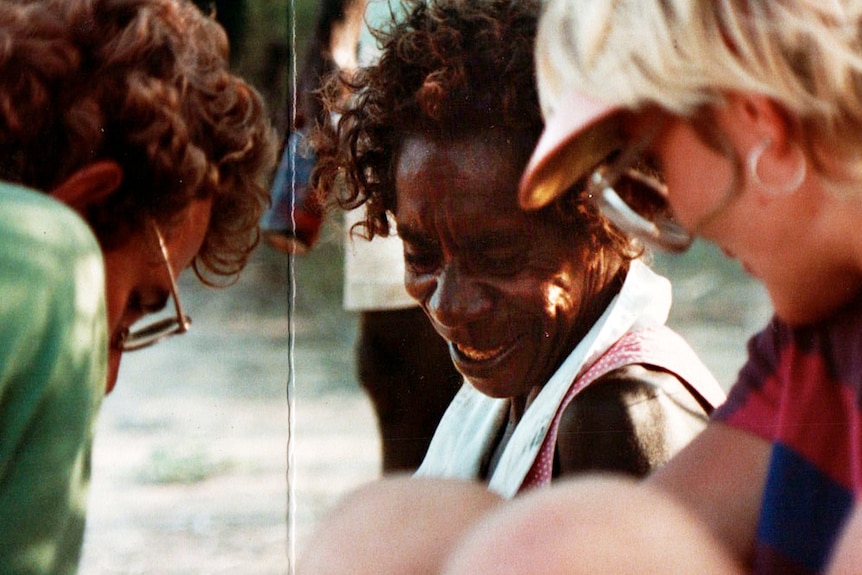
214	456
209	457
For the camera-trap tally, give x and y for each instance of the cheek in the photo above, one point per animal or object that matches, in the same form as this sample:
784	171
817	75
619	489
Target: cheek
697	176
559	273
551	294
572	294
418	286
125	270
561	298
190	236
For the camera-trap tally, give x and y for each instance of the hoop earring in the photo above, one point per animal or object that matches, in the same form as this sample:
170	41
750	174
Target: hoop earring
779	188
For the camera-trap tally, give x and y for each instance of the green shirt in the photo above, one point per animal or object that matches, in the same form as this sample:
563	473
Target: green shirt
53	365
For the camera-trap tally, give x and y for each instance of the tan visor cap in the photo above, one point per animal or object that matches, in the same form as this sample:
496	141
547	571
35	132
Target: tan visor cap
577	137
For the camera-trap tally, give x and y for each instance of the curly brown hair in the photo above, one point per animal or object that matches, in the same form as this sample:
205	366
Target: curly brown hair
146	84
448	68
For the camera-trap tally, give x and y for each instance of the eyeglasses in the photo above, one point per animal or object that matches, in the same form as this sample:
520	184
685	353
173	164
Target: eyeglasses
635	201
161	329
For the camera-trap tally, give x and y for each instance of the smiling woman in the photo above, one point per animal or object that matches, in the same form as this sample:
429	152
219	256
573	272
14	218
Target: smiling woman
507	288
555	323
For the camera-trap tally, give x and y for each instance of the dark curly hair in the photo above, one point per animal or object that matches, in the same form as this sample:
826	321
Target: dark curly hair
448	69
143	83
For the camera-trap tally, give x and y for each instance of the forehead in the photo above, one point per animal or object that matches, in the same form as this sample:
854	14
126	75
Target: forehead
454	180
466	191
509	142
185	239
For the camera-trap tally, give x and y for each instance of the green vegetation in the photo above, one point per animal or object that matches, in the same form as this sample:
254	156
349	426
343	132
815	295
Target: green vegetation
261	48
275	35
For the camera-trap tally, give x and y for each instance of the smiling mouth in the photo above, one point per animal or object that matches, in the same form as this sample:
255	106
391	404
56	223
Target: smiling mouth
474	354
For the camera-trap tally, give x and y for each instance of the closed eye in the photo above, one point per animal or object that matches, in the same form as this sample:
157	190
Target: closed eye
421	259
500	254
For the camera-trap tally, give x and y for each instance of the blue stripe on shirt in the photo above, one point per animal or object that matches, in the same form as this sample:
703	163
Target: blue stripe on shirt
803	510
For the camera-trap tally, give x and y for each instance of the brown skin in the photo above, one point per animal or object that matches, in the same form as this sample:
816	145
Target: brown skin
506	288
514	292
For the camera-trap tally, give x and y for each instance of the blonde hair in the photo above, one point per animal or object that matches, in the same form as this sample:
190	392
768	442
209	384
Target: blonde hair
683	55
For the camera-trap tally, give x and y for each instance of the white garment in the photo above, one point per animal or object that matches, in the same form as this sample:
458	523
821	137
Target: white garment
471	424
373	271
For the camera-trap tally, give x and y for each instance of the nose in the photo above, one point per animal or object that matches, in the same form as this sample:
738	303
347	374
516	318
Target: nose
458	298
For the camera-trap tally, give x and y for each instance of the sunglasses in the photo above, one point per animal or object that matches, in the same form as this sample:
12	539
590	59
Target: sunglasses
635	200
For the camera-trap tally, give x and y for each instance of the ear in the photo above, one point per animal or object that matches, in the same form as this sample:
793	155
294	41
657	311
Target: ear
89	185
758	117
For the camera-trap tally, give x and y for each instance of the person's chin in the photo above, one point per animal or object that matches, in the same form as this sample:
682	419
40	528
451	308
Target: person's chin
798	315
489	387
486	371
502	384
114	358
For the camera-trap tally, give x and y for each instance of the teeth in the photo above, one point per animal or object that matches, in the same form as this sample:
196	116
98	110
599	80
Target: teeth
478	354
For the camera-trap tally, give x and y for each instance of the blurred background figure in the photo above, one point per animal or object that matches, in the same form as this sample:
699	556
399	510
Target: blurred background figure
402	364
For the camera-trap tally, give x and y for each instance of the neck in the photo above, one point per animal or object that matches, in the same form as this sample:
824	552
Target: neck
830	232
843	212
518	405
